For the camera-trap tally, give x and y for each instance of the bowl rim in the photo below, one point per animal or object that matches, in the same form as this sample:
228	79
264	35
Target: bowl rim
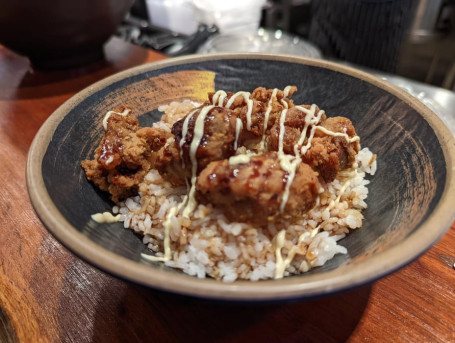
377	266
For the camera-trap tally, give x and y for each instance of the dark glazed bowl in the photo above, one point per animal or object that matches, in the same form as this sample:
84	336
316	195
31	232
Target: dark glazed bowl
58	34
410	198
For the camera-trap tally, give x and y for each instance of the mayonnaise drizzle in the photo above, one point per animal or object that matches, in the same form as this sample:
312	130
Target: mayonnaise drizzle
239	159
282	130
109	113
184	132
290	163
286	91
197	137
109	160
167	236
238	129
342	190
311	119
281	264
106	217
219	97
279	267
249	102
266	118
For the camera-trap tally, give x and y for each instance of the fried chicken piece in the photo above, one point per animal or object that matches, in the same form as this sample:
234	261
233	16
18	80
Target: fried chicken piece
169	164
330	154
217	143
262	94
294	123
327	154
260	98
254	191
124	156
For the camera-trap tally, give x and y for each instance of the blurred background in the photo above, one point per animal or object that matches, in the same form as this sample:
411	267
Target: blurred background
410	38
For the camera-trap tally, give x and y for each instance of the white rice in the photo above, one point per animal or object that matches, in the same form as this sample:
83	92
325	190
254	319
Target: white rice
210	245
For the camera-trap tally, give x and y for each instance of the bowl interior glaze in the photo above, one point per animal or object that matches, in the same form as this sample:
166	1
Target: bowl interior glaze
408	197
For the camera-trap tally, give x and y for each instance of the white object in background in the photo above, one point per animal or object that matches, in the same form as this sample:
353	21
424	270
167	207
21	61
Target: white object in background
231	16
174	15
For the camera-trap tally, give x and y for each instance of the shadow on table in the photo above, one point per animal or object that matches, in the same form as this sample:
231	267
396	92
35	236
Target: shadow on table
147	315
7	333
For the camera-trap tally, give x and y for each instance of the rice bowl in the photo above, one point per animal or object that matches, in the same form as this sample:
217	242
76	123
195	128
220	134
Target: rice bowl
409	200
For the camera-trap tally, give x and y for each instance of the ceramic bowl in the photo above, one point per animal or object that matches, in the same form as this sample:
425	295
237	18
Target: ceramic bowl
410	202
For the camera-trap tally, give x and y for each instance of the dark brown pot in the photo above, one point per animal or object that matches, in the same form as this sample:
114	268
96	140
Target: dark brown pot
57	33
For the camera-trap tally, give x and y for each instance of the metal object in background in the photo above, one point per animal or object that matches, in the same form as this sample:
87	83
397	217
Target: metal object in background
428	53
431	19
193	42
140	32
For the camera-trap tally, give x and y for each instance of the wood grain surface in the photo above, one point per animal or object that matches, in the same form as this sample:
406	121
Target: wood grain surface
48	295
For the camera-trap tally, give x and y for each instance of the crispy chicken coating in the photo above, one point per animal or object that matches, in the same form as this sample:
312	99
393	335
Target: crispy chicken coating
327	154
260	98
293	125
169	164
254	191
124	155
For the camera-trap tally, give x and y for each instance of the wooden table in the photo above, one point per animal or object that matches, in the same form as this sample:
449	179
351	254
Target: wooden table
48	295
